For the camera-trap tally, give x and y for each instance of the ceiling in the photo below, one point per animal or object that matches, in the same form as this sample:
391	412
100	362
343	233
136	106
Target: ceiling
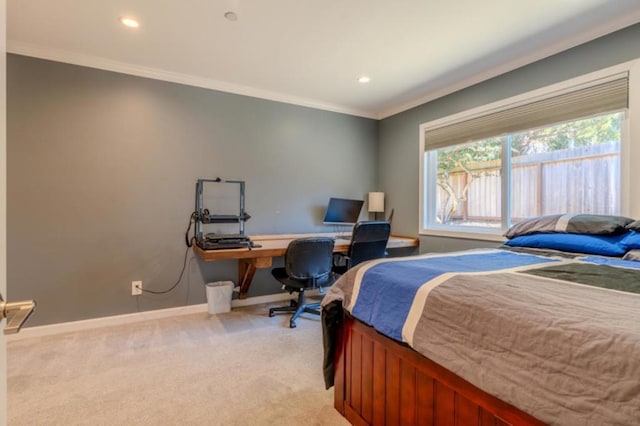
311	52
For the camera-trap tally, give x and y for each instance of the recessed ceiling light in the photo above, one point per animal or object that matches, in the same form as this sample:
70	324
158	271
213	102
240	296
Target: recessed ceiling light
364	79
130	22
231	16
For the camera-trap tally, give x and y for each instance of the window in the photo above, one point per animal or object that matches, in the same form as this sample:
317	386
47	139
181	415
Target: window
555	153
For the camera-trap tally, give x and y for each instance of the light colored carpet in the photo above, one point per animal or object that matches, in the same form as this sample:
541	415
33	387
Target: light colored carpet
240	368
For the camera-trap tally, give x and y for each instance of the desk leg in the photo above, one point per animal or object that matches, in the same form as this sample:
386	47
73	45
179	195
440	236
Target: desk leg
246	271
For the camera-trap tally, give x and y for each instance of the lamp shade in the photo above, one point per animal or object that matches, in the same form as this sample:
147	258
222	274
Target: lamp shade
376	202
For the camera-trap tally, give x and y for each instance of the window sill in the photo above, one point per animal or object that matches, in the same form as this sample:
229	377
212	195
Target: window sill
483	236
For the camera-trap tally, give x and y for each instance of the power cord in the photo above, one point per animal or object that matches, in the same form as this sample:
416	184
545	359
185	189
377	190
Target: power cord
194	216
184	266
189	241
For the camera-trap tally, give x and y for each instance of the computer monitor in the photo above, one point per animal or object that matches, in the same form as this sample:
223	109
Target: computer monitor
342	211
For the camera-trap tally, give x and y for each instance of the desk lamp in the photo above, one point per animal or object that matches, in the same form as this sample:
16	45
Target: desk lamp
376	204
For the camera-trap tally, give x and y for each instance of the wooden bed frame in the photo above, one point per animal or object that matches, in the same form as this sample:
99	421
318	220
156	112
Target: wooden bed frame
379	381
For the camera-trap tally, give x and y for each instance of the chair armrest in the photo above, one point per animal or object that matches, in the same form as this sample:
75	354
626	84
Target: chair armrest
340	259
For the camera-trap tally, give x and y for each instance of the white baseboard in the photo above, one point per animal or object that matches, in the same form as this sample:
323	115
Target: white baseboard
67	327
270	298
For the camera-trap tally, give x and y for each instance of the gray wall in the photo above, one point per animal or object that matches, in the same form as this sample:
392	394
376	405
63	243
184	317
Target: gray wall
399	134
102	168
101	175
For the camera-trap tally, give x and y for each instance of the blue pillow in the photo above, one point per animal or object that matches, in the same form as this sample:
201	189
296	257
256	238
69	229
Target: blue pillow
604	245
630	241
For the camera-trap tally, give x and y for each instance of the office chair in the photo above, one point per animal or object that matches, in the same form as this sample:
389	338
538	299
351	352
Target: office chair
307	265
368	241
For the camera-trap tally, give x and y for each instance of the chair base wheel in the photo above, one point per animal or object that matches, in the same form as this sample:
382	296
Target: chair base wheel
271	313
292	325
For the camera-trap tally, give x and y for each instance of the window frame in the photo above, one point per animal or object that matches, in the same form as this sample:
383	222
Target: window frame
629	153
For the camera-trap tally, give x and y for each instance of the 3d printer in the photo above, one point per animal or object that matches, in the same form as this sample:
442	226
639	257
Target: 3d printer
202	216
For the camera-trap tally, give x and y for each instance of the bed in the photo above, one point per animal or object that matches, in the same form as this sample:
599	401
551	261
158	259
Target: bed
513	335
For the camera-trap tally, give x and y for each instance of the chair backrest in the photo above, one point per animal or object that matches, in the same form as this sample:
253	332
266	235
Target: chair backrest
368	241
309	258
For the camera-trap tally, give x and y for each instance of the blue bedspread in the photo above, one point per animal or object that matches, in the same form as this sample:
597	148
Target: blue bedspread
397	282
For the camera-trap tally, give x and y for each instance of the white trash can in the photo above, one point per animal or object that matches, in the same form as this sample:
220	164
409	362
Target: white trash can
219	296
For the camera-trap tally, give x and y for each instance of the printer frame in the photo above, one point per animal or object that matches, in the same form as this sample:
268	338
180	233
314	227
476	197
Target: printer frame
203	217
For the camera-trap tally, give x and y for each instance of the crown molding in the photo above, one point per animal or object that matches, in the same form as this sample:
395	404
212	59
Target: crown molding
552	49
59	55
42	52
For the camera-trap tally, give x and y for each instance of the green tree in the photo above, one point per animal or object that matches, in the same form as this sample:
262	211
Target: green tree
573	134
463	158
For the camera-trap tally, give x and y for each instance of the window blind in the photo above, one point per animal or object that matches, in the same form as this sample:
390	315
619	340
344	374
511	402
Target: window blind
599	98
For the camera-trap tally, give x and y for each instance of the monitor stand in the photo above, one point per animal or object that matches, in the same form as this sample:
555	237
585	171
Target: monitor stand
342	232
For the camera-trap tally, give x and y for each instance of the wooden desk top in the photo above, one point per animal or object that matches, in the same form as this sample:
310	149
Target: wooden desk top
276	245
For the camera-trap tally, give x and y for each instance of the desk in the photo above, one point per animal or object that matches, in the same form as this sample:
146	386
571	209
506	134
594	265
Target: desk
274	246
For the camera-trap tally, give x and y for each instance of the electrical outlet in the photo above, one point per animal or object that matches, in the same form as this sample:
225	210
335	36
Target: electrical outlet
136	288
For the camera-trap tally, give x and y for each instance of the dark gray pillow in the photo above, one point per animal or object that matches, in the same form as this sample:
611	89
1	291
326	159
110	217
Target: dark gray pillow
591	224
634	226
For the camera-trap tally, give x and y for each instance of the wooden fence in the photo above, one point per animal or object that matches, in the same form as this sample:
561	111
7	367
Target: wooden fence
581	180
